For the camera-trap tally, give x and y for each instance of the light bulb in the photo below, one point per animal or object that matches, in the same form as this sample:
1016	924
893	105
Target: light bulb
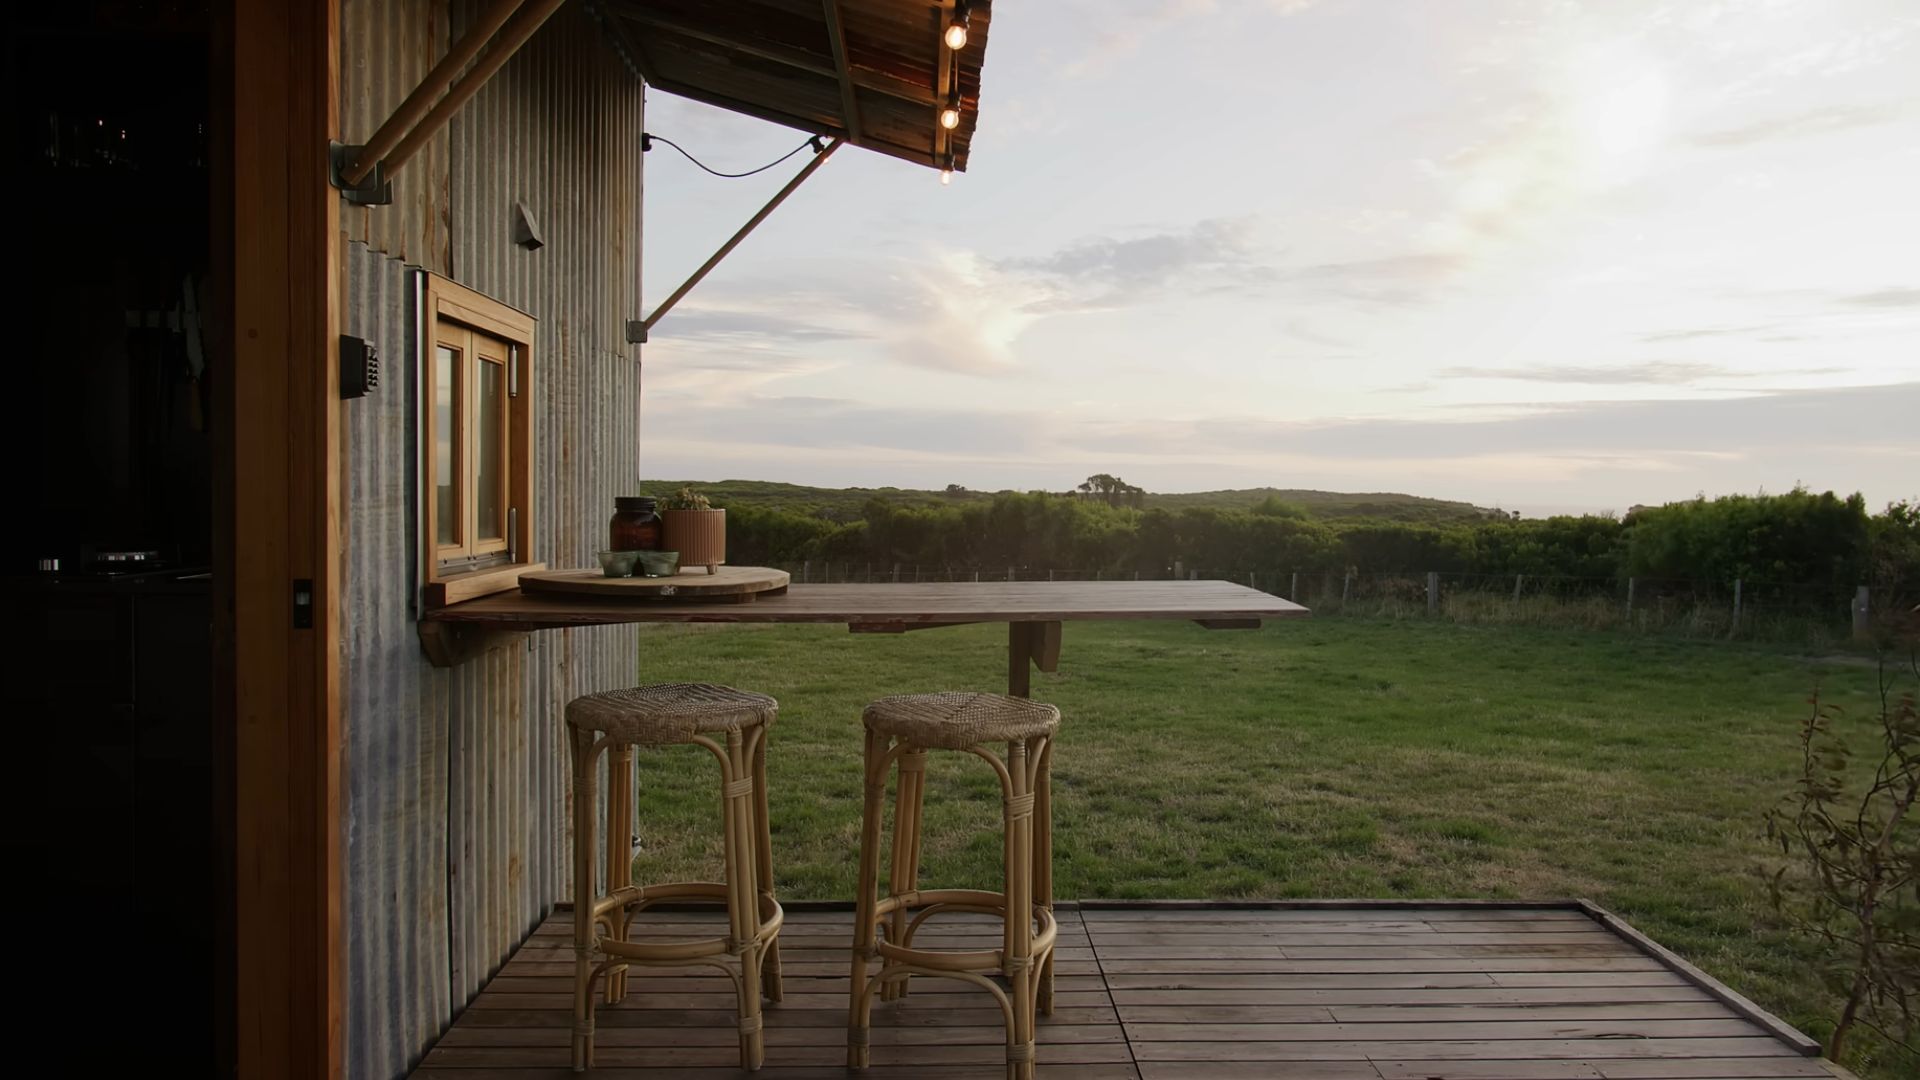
956	36
950	117
946	176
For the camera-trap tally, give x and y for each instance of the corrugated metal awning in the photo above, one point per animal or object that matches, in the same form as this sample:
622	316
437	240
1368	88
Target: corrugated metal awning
875	73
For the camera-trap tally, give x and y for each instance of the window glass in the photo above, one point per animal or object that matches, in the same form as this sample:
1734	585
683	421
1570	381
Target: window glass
490	465
446	454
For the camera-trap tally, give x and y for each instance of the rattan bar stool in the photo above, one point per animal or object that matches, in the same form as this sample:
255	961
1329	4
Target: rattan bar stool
732	725
900	731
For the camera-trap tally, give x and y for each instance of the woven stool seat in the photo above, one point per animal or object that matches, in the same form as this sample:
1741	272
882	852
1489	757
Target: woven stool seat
959	721
670	712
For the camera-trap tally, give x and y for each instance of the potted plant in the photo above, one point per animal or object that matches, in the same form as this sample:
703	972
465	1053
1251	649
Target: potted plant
693	527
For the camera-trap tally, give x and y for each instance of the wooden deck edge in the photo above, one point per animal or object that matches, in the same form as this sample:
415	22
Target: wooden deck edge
1396	904
1721	992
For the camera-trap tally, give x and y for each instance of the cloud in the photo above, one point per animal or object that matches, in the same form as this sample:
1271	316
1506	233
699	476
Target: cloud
751	327
1885	298
1104	272
1651	373
1819	121
1703	332
1393	280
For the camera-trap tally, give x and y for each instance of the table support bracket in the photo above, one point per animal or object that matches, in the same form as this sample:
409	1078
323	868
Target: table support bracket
1030	645
452	644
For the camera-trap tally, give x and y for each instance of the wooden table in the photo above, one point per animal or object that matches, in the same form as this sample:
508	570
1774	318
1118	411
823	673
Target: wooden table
1033	611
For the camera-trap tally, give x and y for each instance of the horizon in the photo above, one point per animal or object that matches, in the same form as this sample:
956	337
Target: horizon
1506	254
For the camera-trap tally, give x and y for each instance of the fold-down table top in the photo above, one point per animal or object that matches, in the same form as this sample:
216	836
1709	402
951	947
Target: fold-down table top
891	608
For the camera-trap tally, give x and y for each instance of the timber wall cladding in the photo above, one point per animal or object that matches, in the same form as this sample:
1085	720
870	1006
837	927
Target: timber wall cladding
456	840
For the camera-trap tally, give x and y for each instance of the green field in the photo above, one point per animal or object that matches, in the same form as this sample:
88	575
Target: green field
844	504
1338	757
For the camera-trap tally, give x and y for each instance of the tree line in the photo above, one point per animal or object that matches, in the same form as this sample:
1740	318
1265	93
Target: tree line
1799	537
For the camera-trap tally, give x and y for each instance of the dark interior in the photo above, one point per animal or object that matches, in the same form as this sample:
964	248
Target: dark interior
111	792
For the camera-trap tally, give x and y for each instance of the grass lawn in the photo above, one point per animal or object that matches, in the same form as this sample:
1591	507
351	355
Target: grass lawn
1324	758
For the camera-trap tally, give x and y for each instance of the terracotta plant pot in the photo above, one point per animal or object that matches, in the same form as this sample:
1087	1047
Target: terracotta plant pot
700	536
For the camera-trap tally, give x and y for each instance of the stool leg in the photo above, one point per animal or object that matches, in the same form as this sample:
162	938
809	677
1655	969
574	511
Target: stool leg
583	899
743	892
1018	923
908	803
619	855
770	964
864	902
1042	750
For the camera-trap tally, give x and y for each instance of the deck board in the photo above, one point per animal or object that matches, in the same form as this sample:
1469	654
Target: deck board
1321	992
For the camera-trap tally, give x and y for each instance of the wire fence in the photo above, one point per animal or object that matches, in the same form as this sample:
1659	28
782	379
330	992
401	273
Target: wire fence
1815	612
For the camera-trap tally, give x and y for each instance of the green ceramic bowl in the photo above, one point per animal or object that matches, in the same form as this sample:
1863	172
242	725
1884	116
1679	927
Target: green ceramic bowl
659	563
618	563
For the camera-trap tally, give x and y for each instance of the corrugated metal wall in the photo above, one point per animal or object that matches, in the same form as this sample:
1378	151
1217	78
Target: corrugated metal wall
457	830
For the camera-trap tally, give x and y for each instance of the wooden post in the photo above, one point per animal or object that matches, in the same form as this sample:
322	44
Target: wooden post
1253	581
1518	580
1862	623
1049	575
1631	583
1433	593
1179	569
277	533
1293	587
1346	587
1193	575
976	577
896	573
1136	575
1734	628
1010	575
806	567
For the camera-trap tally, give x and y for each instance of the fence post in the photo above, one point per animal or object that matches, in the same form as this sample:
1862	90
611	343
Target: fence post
1179	569
896	573
1253	581
976	577
1293	587
1861	624
1136	575
1631	582
806	566
1049	575
1096	575
1193	575
1518	580
1433	592
1010	576
1346	587
1735	628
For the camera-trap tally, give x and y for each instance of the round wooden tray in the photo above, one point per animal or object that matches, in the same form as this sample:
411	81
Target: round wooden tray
736	584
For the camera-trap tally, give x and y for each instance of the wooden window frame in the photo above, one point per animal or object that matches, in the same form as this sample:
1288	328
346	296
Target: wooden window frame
455	313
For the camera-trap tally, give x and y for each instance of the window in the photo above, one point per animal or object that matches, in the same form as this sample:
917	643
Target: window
477	427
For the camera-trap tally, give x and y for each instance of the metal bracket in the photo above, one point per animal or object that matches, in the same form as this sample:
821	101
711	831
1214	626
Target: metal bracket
375	190
636	331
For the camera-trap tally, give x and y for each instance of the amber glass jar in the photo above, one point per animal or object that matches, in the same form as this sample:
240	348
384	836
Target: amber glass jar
634	527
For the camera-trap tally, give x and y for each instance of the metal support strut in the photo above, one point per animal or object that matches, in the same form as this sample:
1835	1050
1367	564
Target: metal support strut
637	331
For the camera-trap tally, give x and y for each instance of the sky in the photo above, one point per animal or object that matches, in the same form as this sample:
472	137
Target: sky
1539	254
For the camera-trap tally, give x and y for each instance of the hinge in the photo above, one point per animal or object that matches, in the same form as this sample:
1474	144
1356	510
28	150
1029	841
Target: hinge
513	371
513	534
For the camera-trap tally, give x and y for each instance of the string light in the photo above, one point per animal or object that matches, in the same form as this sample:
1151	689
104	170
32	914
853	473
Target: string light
956	35
950	116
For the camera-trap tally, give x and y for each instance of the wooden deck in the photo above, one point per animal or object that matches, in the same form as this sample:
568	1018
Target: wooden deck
1328	992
